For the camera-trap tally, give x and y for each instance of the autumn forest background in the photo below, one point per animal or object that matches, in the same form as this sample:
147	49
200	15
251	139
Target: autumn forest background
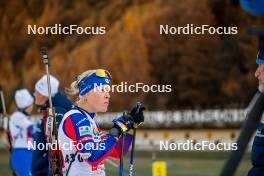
205	71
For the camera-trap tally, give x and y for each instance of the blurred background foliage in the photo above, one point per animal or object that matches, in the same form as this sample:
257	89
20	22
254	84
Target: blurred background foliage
205	71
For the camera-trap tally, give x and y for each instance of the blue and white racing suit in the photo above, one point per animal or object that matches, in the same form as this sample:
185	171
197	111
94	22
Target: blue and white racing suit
85	146
21	133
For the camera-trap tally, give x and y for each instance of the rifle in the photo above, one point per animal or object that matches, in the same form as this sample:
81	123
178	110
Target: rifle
5	121
5	125
3	115
51	129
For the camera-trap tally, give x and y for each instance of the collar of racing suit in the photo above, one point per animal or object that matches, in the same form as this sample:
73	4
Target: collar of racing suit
92	115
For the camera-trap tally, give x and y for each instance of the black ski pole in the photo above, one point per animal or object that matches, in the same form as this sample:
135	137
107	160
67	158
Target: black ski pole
133	144
121	165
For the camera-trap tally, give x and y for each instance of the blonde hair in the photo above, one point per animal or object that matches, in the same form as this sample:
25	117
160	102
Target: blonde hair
74	89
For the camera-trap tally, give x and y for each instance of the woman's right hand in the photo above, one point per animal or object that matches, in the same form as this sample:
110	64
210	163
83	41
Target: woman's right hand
122	125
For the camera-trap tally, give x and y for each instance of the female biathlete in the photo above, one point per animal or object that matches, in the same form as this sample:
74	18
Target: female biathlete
79	129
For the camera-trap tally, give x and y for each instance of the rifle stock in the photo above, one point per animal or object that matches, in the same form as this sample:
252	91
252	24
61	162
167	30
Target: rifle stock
52	138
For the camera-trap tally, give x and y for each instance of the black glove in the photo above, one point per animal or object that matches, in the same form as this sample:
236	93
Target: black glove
137	113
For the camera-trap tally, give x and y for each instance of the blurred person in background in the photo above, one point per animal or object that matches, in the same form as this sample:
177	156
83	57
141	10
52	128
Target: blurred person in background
258	144
78	127
62	104
255	7
21	129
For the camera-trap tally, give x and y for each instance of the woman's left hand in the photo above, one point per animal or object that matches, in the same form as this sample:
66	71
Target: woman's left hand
138	115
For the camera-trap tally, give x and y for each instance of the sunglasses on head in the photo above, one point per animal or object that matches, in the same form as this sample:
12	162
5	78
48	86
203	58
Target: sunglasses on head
103	73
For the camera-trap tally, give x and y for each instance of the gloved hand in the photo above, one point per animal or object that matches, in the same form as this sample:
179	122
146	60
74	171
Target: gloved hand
128	120
122	124
137	114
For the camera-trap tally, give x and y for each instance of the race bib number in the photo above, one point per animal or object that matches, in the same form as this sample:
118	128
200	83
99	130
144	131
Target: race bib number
70	158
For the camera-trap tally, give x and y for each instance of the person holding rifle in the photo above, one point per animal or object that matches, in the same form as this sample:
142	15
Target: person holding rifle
90	145
41	164
21	129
